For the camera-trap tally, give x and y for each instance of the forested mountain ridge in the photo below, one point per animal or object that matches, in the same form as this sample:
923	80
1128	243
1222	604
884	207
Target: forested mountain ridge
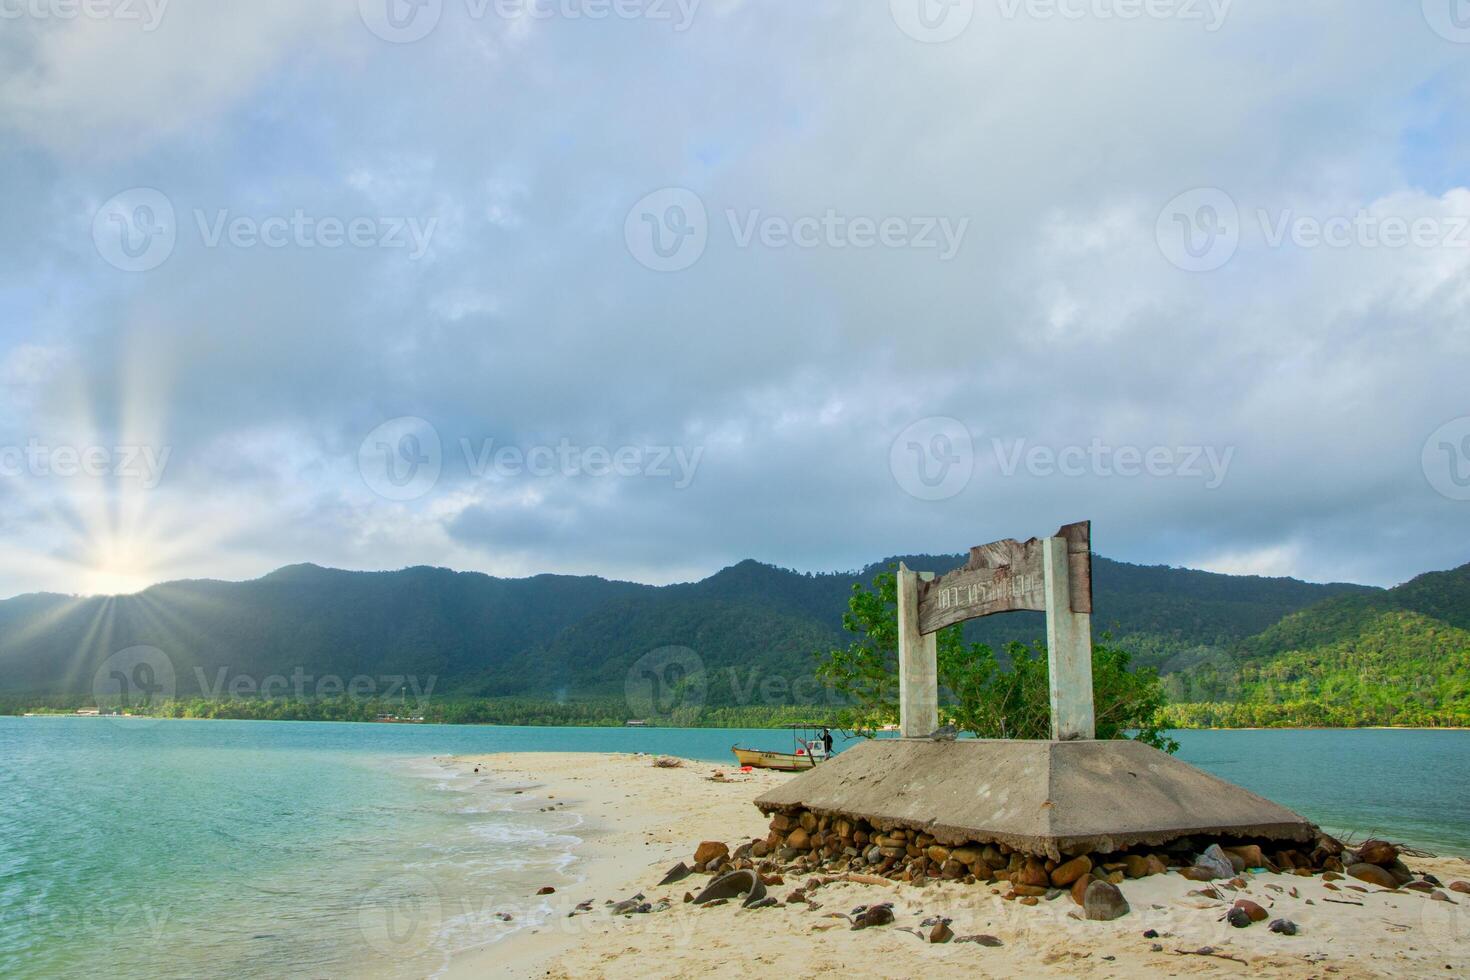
564	636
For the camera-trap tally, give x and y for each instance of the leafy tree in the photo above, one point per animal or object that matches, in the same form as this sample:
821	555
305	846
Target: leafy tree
976	694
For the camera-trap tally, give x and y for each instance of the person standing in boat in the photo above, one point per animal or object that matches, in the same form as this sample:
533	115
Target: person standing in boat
827	741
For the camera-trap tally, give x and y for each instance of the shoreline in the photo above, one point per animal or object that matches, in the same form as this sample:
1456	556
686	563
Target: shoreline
674	728
638	821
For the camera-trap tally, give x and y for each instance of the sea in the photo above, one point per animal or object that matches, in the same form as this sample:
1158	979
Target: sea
134	847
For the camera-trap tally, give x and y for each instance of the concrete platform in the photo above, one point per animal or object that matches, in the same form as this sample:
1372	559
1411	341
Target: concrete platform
1044	798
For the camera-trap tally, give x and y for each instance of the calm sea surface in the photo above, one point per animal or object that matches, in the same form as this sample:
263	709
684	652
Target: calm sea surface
131	847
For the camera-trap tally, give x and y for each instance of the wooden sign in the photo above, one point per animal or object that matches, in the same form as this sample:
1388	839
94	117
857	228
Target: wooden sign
1006	576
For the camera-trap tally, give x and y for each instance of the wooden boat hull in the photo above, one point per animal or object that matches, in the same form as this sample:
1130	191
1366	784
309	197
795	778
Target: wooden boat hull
784	761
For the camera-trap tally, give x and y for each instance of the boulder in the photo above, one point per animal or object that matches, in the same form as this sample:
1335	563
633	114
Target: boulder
939	854
1284	927
808	821
1379	852
1463	887
1373	875
710	850
1065	874
1250	854
799	839
1251	909
1032	872
1215	860
941	933
1103	902
1079	888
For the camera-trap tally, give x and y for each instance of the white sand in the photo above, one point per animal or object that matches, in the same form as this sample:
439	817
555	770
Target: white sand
641	820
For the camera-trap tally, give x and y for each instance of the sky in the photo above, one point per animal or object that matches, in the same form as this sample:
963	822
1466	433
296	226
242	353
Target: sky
642	288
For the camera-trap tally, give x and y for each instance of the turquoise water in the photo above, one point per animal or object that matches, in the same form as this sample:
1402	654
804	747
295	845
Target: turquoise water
217	848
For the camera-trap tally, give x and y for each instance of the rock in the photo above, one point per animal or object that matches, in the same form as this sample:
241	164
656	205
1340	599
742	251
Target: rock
733	885
1215	860
1400	871
546	890
1103	902
1032	872
982	940
941	933
1256	913
768	902
808	821
1030	891
1331	876
759	849
782	824
1463	887
1199	873
967	855
1238	917
504	916
939	854
678	872
1030	900
1373	875
628	907
1079	889
1136	866
1067	873
1420	886
877	915
1439	896
710	850
1250	854
799	839
688	896
1157	865
1284	927
1379	852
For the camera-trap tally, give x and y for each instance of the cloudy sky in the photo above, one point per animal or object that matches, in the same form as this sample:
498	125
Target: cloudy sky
644	287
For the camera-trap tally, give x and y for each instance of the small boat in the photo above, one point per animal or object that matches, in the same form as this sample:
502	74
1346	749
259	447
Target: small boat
810	750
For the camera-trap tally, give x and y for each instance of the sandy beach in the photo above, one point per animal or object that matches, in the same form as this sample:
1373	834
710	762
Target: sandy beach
639	820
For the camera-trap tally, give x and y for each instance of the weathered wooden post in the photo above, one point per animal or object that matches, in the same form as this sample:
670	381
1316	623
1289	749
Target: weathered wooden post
1068	650
918	667
1051	575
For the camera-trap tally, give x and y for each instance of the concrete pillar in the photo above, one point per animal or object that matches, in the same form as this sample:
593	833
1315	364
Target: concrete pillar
1069	651
918	668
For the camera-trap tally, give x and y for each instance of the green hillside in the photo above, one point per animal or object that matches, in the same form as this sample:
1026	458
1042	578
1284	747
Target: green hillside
1400	657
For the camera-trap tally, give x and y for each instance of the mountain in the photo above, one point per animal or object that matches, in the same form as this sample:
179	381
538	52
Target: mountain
1395	657
557	636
